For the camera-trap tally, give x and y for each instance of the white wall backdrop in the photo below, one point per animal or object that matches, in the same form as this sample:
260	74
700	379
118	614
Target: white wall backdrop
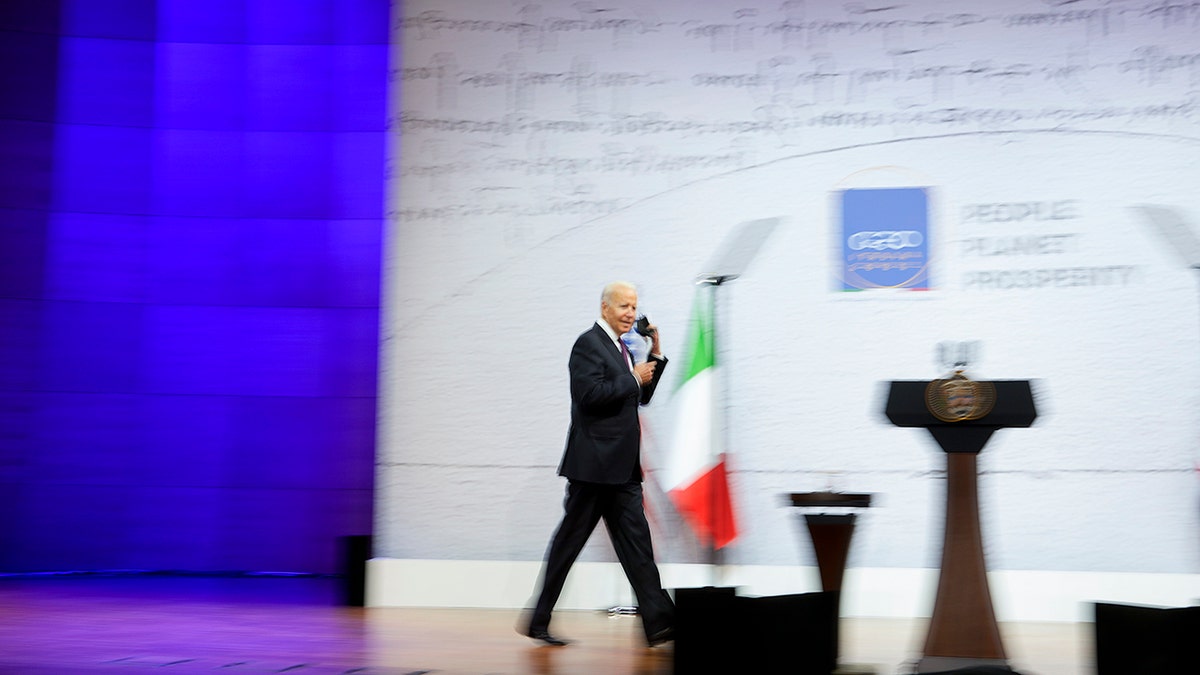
542	149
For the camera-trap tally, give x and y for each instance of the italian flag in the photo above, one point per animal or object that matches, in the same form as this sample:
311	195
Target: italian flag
694	474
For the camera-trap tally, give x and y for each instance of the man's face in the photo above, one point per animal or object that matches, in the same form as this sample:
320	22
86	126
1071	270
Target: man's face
620	311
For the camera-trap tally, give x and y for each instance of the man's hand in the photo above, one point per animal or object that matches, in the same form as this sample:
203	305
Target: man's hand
655	349
645	371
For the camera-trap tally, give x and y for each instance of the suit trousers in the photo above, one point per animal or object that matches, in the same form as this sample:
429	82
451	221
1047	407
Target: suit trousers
624	515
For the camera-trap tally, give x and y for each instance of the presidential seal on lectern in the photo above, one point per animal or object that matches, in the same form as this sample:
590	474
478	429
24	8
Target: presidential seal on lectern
959	398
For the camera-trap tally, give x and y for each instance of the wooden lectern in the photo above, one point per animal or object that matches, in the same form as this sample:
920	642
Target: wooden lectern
962	630
831	533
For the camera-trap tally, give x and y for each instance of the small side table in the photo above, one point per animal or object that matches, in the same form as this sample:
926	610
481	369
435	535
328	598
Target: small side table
831	533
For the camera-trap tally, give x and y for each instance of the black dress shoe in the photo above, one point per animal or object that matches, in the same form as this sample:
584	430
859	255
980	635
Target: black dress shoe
662	636
545	637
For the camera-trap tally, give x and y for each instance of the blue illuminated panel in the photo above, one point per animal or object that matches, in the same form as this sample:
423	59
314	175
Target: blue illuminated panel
190	345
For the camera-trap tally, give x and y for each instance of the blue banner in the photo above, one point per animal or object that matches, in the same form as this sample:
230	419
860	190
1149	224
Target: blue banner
885	238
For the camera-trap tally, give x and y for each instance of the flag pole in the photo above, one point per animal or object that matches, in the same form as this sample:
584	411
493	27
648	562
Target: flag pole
719	417
729	262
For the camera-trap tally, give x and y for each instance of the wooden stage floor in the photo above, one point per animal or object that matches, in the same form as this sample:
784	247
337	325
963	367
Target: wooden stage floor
182	626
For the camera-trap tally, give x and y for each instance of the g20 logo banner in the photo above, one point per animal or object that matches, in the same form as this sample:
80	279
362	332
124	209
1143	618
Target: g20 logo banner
885	238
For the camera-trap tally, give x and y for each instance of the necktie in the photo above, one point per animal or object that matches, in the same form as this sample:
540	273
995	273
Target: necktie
625	354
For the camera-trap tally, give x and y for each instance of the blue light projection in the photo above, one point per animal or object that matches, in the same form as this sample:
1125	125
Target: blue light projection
189	306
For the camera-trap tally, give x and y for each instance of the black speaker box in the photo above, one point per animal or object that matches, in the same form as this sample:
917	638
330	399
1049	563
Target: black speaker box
355	552
1138	640
718	631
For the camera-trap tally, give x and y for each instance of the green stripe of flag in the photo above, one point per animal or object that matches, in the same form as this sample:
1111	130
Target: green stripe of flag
701	353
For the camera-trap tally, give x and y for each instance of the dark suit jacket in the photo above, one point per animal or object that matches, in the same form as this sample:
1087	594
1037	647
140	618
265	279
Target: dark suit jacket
604	442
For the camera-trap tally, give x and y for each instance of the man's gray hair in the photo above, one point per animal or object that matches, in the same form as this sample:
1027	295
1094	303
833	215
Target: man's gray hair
611	287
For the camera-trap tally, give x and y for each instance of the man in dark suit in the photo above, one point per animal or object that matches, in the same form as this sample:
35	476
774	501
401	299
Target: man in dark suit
602	463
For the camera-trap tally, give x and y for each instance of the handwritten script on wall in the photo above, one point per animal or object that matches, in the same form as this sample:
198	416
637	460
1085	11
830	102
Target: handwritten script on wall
576	109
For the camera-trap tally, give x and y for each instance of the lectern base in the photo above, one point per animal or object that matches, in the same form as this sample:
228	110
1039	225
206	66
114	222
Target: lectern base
966	666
